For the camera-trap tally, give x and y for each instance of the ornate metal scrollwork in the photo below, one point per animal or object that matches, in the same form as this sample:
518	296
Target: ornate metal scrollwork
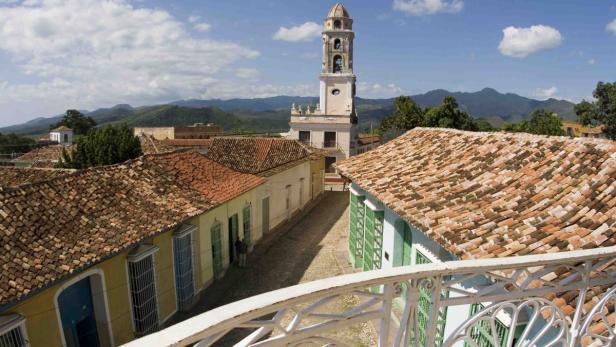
599	329
529	322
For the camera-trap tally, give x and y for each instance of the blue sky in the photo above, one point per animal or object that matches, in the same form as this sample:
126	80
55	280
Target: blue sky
59	54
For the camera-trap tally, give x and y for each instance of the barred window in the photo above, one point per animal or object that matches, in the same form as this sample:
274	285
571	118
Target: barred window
142	282
183	264
13	331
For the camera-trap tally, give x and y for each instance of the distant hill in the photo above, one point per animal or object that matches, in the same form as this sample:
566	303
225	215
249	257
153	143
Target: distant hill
273	113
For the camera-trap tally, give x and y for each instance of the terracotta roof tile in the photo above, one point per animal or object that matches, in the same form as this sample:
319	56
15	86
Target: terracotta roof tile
215	181
256	155
13	176
471	191
51	229
47	153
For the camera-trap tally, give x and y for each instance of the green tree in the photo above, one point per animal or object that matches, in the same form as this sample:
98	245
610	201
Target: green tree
406	116
484	125
602	111
76	121
448	115
12	143
104	146
522	127
545	123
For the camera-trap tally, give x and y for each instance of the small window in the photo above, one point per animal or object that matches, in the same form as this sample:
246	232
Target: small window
337	24
336	92
142	286
13	331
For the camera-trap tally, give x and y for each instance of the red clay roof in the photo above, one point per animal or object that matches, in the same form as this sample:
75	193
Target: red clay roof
215	181
203	143
13	176
52	229
256	155
484	195
46	153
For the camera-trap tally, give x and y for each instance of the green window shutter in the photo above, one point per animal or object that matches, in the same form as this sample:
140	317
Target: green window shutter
353	227
481	332
369	240
378	239
423	311
359	244
247	224
216	249
407	245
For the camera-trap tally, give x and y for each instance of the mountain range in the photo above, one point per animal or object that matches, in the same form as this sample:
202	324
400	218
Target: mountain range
272	114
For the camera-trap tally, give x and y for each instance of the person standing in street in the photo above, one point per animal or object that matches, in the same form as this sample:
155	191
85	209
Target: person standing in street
242	250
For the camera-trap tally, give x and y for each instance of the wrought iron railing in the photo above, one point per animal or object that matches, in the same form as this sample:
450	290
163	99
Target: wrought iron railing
556	299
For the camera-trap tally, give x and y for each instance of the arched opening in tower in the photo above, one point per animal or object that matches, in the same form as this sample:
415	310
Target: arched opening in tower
337	24
337	64
337	44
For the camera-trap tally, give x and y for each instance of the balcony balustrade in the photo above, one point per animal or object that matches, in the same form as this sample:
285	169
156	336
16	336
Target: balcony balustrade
556	299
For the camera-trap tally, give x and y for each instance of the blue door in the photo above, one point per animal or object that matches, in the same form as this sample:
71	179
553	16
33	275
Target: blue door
77	314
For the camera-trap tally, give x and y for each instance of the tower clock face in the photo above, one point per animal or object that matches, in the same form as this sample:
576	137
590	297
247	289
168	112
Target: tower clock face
336	92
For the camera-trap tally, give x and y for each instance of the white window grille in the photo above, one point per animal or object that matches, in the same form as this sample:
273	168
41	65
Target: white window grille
184	267
13	331
143	293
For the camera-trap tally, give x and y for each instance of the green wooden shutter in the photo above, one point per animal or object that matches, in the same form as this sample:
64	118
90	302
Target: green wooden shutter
359	244
423	309
247	229
353	227
481	332
369	240
378	240
216	249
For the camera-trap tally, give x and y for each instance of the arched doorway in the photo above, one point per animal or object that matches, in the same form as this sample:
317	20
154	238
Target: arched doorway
81	307
337	64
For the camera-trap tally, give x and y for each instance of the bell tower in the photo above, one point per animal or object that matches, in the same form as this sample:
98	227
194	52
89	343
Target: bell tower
332	124
337	90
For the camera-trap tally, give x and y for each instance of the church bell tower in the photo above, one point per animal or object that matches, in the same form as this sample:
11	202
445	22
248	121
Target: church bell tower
332	124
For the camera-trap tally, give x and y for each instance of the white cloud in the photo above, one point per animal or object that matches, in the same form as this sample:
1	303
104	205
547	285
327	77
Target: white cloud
428	7
88	53
202	27
248	73
591	62
193	19
611	27
545	93
305	32
520	42
377	90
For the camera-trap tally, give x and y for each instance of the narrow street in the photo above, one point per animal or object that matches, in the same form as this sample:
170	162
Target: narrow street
305	252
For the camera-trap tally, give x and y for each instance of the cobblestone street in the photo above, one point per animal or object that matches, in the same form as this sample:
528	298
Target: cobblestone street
306	252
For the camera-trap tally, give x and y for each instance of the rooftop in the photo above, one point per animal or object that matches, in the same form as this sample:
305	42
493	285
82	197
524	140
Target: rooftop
62	128
217	182
12	176
50	230
46	153
256	155
483	195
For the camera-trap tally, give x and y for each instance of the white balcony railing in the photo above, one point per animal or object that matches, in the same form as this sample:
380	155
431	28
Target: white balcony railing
535	290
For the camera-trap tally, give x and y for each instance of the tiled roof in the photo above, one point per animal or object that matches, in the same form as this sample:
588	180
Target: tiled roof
484	195
13	176
51	229
62	128
187	143
217	182
256	155
48	153
368	140
149	145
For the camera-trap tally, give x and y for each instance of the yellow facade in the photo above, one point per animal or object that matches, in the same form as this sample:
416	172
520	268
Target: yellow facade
41	311
317	173
578	130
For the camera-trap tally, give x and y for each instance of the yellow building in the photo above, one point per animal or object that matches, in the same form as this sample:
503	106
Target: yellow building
292	172
574	129
101	256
